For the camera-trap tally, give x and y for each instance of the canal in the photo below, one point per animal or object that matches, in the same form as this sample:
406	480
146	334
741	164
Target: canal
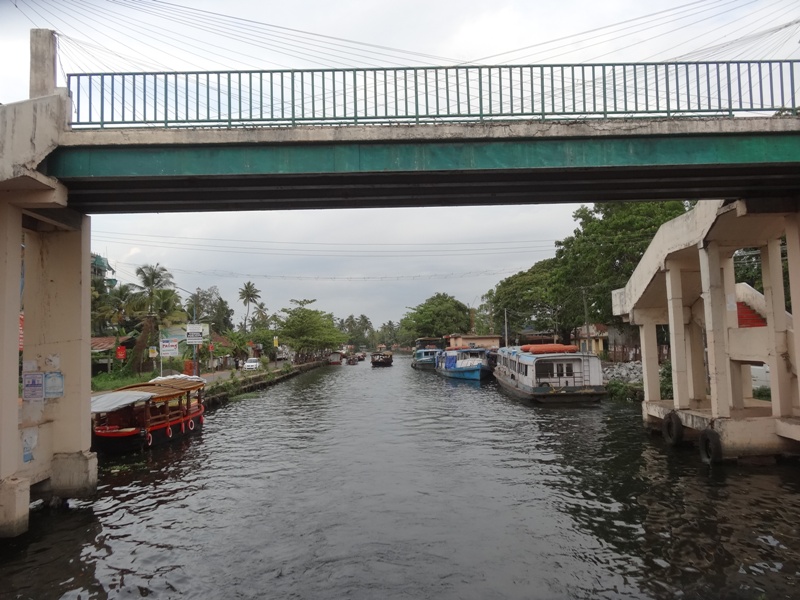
365	483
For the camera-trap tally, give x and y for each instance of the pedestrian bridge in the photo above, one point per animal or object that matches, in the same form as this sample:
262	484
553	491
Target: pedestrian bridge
147	142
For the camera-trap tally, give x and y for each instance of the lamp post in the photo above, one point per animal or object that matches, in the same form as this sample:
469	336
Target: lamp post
196	370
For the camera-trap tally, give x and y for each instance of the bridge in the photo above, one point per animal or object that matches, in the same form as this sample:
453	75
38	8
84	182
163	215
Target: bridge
261	140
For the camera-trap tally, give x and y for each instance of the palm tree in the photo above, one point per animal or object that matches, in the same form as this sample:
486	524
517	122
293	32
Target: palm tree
148	300
249	294
260	316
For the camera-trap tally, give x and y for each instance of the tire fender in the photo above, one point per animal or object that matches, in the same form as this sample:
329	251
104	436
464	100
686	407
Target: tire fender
710	446
672	428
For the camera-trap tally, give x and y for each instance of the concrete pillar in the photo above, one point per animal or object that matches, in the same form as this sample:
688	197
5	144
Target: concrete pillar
777	351
43	63
57	339
696	363
735	370
715	312
677	336
650	371
793	257
14	491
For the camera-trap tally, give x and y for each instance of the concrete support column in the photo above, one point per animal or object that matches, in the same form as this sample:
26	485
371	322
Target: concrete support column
736	370
14	491
650	372
715	312
43	63
793	257
696	364
57	340
777	351
677	336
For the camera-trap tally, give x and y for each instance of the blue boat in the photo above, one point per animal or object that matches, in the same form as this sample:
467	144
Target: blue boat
425	353
463	363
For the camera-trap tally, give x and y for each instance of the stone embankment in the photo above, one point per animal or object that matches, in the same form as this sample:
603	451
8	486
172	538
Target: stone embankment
235	383
629	372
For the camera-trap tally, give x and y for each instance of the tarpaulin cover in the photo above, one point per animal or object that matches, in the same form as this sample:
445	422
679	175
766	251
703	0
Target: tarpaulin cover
114	400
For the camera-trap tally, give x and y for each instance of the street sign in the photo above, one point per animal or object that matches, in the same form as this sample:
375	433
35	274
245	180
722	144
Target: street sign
194	334
169	347
153	351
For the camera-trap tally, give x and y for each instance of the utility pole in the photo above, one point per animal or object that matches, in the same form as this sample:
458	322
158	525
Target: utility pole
585	318
505	313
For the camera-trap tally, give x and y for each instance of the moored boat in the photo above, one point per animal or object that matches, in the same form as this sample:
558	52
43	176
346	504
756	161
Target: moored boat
142	415
425	353
463	363
381	359
352	359
550	373
335	358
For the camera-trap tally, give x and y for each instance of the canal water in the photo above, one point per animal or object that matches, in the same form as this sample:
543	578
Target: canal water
365	483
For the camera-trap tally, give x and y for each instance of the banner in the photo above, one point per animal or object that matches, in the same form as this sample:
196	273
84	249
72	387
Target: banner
122	352
169	347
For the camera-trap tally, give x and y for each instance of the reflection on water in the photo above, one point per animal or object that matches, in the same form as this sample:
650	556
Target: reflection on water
394	483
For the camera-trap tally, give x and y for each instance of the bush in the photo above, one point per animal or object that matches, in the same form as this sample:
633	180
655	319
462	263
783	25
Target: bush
762	393
665	380
622	390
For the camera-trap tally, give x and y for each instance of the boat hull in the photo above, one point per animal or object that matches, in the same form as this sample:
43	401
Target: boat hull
423	365
552	395
124	441
477	373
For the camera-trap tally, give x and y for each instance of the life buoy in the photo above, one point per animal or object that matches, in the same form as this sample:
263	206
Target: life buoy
168	431
191	424
672	428
710	446
149	439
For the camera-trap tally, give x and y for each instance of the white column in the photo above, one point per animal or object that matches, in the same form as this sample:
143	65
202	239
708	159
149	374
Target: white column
58	337
677	336
714	306
14	491
650	372
774	298
793	257
696	364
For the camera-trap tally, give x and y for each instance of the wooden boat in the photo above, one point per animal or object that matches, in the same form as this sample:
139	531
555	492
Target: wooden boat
463	363
425	353
352	359
335	358
149	414
381	359
551	373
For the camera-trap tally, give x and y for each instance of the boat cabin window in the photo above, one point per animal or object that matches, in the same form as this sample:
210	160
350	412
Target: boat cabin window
544	370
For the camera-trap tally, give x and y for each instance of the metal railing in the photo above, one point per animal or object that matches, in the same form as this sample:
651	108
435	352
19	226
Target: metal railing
432	94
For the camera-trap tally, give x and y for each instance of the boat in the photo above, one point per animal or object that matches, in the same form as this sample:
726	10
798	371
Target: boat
335	358
352	359
463	363
143	415
550	374
381	359
361	356
425	353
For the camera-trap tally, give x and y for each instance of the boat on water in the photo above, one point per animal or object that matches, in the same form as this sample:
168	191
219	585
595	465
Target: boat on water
335	358
550	374
143	415
381	359
425	353
463	363
352	359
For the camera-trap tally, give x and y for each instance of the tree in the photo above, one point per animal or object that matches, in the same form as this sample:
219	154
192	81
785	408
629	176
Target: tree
438	316
359	330
307	330
248	294
150	305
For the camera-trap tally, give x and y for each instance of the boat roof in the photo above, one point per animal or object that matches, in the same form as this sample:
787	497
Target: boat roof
118	399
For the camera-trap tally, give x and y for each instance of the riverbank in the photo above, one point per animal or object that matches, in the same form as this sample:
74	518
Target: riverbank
223	385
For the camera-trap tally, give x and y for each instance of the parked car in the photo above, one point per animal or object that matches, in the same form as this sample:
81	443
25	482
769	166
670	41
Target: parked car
252	364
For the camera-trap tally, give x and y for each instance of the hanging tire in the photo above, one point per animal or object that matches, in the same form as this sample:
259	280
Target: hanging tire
191	424
672	428
168	431
710	446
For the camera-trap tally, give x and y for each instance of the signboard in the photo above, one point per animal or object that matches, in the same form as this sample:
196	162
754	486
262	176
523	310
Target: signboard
169	347
122	352
33	386
275	340
53	384
194	334
152	351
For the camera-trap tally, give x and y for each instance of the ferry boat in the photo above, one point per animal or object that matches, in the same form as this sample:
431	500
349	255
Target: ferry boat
142	415
550	373
382	359
463	363
425	353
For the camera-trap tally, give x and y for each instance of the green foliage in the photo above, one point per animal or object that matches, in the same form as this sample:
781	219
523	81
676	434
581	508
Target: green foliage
439	315
622	390
248	294
287	368
762	393
359	330
308	330
665	380
112	381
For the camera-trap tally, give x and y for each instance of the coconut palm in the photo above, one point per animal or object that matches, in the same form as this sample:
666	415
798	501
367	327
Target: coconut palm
260	316
148	303
249	294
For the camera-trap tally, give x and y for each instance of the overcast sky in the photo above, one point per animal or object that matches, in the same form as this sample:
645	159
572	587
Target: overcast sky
373	262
